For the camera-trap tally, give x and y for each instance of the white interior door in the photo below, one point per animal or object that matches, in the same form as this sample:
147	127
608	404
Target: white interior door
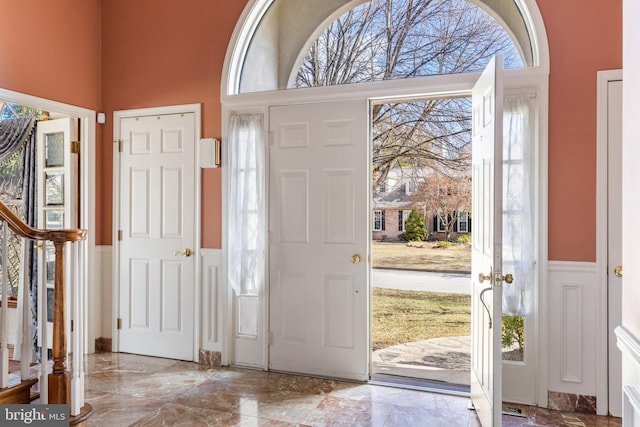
157	231
614	243
318	239
57	169
486	252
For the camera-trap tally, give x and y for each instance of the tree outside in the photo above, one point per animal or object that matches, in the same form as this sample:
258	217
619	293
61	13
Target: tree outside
398	39
415	228
445	197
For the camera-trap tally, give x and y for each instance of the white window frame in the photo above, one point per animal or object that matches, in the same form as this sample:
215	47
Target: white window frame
404	214
464	222
439	225
410	187
378	213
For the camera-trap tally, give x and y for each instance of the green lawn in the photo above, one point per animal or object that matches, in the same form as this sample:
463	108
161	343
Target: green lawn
406	316
423	256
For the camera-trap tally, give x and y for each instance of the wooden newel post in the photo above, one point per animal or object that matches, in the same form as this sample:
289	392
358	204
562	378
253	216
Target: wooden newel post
59	378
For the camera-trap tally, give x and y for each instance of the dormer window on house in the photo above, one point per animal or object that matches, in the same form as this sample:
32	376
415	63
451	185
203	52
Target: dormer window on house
409	187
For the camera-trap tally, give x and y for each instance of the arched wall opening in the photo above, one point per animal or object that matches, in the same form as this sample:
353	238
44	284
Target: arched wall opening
264	51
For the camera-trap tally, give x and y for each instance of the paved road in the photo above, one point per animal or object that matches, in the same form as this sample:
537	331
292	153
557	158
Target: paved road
421	281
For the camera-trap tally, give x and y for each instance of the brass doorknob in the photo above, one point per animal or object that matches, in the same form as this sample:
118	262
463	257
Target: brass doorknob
617	270
484	277
356	258
185	252
508	278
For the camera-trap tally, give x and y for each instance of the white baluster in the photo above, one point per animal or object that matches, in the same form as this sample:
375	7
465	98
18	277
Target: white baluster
4	320
82	321
42	327
24	351
76	340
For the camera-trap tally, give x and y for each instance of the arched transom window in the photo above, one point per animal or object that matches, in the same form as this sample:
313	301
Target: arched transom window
399	39
302	43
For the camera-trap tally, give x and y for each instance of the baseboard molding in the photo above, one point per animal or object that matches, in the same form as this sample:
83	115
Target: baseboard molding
210	358
576	403
103	345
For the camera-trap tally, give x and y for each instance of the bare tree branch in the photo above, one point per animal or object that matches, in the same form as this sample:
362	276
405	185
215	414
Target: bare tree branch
396	39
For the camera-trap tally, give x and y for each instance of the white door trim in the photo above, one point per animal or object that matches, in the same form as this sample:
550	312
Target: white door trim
602	377
87	204
174	109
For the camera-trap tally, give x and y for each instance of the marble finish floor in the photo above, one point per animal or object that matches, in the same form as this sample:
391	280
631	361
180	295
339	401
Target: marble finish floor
135	390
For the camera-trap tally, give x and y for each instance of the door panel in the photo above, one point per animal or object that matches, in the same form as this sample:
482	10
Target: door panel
318	221
57	166
486	253
157	198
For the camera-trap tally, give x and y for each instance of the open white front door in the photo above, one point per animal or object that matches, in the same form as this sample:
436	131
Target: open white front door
486	253
318	239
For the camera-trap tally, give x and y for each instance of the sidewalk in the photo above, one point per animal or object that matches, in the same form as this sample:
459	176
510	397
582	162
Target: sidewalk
439	359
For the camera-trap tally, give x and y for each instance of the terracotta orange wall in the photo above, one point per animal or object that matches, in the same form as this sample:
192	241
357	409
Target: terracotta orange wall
168	52
171	52
585	36
52	49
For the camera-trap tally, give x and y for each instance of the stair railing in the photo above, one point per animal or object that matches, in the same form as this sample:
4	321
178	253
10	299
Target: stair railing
62	386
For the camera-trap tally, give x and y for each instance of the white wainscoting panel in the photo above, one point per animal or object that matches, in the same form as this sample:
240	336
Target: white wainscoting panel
101	296
212	298
630	347
573	313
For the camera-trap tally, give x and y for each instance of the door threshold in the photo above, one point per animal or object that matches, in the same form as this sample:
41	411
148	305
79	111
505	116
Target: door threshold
420	385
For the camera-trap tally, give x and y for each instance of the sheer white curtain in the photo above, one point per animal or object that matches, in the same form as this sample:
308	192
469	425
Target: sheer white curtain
518	228
246	145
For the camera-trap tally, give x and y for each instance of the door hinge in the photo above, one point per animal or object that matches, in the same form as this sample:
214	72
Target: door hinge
119	235
119	323
270	337
75	147
119	142
71	325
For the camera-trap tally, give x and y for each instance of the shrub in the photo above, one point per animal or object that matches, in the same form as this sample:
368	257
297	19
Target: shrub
464	239
513	331
443	244
415	229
